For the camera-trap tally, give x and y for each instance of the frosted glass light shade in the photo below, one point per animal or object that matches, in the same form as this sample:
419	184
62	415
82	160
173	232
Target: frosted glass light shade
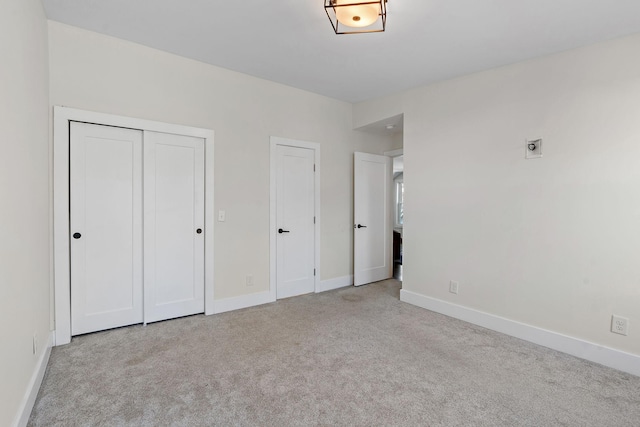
357	16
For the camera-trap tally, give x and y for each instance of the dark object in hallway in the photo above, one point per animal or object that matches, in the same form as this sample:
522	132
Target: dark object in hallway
397	247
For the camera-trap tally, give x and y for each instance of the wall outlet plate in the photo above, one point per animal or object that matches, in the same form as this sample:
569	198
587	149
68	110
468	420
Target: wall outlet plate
619	325
453	287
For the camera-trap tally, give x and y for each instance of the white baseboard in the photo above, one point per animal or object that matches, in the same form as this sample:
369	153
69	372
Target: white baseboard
335	283
612	358
251	300
29	399
243	301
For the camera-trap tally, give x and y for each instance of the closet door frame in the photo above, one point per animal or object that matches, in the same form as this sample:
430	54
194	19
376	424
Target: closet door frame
62	116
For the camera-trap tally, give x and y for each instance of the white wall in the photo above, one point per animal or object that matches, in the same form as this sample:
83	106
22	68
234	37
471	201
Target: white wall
24	199
551	242
377	109
99	73
398	140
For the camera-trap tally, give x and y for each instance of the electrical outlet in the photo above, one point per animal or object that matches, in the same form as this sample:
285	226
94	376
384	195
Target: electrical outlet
453	287
619	325
35	343
249	279
222	216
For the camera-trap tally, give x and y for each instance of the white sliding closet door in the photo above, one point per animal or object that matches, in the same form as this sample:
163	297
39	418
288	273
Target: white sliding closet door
173	226
105	226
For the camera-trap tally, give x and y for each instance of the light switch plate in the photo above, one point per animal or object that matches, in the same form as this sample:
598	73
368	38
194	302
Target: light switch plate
221	216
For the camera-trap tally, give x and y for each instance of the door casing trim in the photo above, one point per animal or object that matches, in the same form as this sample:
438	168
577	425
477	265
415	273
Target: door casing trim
275	142
61	248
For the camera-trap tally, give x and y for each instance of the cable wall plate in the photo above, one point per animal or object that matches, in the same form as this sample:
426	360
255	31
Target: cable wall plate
533	148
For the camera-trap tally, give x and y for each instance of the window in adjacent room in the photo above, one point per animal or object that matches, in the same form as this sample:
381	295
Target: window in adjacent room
399	202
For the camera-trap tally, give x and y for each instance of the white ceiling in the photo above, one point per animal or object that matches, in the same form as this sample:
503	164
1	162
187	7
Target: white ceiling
292	42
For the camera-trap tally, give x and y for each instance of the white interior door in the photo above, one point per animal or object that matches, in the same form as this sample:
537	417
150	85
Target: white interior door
295	223
372	210
173	226
106	227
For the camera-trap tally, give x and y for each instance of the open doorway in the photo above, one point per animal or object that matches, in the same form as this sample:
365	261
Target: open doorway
393	127
397	208
398	214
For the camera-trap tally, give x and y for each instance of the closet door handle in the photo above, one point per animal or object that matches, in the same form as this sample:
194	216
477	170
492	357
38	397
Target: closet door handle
199	230
77	235
280	230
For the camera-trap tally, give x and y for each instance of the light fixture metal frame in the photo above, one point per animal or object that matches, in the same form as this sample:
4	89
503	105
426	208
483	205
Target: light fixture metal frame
330	7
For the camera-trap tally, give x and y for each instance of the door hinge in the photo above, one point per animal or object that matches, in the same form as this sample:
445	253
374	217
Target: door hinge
314	167
314	219
314	271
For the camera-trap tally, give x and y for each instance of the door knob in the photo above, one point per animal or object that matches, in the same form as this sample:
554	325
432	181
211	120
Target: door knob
280	230
361	226
77	235
199	230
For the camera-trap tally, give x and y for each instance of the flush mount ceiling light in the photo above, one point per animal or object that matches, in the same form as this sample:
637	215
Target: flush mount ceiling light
357	16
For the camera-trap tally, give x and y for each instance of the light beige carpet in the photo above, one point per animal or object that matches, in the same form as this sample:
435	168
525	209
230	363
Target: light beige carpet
355	356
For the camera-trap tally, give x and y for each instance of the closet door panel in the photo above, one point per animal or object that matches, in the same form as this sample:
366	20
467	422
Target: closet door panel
174	226
106	227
